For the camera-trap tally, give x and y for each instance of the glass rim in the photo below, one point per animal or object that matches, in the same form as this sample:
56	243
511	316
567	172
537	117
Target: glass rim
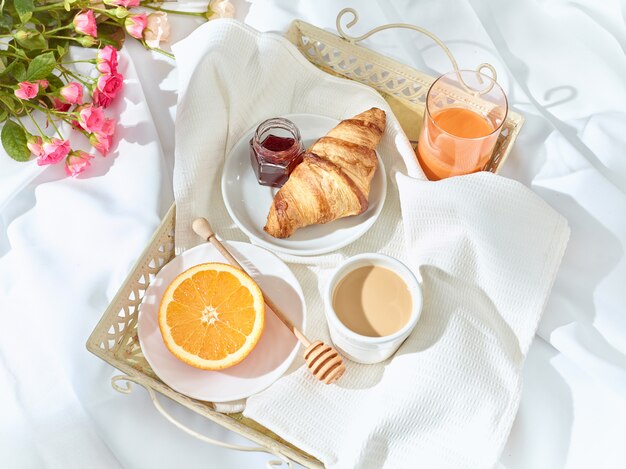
269	124
279	122
453	72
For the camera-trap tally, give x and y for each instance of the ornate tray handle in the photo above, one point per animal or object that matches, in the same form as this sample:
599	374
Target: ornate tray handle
128	388
354	39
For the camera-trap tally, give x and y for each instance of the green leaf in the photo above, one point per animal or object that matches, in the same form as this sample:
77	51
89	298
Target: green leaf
3	114
16	69
8	101
24	9
41	66
68	4
14	141
6	23
115	34
55	82
30	39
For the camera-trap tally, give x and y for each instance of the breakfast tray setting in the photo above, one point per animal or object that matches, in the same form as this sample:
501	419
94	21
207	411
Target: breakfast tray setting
115	338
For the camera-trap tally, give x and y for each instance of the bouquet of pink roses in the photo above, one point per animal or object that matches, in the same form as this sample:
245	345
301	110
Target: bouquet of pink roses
35	76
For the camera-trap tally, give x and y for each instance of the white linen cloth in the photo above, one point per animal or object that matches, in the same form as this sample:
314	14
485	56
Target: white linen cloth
487	249
58	231
562	64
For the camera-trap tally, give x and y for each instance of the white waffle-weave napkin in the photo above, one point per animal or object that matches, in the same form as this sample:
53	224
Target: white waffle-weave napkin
487	250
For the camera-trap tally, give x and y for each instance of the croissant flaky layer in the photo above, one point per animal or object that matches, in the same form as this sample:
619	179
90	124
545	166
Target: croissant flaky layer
334	178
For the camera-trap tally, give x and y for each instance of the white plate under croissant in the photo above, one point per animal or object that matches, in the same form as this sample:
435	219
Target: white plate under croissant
249	203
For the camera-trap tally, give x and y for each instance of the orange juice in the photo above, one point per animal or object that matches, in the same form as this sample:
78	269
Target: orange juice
455	141
463	123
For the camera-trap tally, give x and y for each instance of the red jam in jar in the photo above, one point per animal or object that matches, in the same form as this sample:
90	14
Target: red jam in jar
275	150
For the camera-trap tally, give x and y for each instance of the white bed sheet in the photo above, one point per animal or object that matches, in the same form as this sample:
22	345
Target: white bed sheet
66	245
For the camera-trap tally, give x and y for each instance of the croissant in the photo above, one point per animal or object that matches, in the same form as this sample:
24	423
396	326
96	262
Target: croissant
333	180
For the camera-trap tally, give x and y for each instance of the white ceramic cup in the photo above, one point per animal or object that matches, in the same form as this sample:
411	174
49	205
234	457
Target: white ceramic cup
357	347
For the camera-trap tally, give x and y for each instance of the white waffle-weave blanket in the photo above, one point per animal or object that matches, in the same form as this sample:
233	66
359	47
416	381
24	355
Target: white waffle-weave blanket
486	248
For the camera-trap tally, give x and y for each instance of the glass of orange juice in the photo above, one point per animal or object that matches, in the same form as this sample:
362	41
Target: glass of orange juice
465	111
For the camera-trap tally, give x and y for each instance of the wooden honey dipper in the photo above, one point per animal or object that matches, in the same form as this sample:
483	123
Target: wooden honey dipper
323	361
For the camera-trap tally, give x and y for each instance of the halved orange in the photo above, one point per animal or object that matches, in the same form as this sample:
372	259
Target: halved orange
211	316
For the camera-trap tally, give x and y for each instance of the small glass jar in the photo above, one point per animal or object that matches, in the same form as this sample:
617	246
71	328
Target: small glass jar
275	150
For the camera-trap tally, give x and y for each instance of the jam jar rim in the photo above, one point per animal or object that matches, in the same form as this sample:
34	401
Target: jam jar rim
285	124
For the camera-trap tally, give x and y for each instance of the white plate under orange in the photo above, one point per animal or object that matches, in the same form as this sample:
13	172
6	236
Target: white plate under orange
271	356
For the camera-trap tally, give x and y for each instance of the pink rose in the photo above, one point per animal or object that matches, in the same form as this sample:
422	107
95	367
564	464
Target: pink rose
34	145
107	88
157	29
101	99
54	150
108	128
60	105
77	162
135	24
43	83
85	23
26	90
124	3
107	60
91	118
101	142
72	93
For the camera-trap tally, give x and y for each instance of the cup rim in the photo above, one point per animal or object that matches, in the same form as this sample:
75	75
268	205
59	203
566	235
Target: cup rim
453	72
397	267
